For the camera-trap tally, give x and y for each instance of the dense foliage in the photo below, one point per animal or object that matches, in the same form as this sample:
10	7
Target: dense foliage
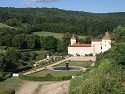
61	21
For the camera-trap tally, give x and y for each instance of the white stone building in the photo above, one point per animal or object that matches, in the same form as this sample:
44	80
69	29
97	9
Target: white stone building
97	46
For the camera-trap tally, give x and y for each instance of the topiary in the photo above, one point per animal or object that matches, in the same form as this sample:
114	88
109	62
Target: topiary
48	75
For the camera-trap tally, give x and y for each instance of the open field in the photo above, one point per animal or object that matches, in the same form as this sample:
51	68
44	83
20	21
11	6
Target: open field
55	73
76	63
57	35
12	83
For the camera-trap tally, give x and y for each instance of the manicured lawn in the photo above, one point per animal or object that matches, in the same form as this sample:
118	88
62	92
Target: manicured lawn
55	73
10	84
57	35
76	63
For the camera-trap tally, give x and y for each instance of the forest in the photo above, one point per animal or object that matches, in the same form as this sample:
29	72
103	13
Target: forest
61	21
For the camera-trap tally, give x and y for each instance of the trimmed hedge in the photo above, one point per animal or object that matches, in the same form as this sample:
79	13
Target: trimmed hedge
33	78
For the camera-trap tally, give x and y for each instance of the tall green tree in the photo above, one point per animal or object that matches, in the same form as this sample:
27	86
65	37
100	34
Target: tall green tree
50	43
19	41
30	40
13	22
118	34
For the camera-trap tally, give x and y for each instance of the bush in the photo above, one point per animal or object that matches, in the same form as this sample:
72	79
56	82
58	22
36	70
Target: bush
48	75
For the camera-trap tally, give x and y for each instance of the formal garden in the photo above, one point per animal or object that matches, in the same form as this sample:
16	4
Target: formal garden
51	74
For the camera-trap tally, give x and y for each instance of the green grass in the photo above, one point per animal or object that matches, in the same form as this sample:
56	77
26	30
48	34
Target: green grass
12	83
57	35
55	73
76	63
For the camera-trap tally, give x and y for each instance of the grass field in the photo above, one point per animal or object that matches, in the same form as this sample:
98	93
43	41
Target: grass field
57	35
55	73
12	83
76	63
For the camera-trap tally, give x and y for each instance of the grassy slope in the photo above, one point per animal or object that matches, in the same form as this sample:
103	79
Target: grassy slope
12	83
57	35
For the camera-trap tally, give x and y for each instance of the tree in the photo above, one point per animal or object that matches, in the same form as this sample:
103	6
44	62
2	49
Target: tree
13	54
119	53
2	62
59	46
30	40
118	34
50	43
37	41
66	41
13	22
19	41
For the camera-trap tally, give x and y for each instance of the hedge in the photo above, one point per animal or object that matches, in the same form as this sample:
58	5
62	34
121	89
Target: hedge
33	78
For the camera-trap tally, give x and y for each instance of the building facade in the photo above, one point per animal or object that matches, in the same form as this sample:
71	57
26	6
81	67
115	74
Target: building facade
97	46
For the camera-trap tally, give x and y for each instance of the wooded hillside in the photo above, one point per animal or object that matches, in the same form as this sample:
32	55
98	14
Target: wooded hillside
62	21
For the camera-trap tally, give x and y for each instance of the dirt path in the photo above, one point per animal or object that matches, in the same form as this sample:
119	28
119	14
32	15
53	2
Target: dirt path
32	87
55	88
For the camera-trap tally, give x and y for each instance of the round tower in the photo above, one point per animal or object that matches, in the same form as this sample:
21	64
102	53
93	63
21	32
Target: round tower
106	42
73	40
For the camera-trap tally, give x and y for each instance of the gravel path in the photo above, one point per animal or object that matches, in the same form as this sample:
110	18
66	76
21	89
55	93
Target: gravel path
30	87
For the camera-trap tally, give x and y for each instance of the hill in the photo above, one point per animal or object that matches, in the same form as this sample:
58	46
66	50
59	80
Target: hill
62	21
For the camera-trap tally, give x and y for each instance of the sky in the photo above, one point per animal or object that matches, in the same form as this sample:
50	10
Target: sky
94	6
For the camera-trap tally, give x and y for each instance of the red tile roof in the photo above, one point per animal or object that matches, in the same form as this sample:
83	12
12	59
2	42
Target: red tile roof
80	45
107	36
97	40
73	37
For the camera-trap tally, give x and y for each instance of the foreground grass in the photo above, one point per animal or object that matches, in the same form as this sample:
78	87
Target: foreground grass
76	63
12	83
57	35
55	73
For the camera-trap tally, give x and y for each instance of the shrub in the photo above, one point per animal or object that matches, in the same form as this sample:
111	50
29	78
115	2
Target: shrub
48	75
